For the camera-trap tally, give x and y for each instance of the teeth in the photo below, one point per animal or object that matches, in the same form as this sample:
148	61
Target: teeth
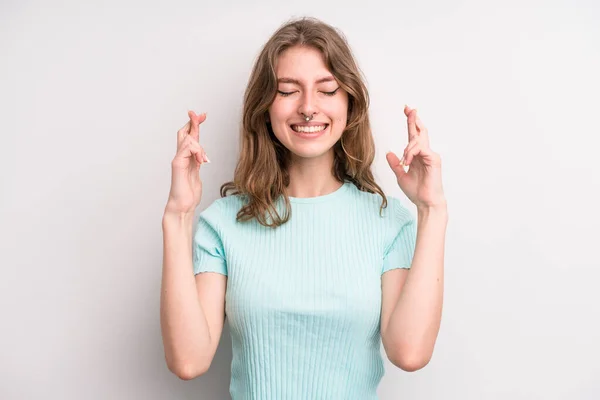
308	129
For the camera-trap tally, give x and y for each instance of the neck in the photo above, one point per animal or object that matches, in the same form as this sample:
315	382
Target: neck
312	177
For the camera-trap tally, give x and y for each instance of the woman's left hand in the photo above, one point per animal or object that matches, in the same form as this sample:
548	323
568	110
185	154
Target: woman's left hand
422	184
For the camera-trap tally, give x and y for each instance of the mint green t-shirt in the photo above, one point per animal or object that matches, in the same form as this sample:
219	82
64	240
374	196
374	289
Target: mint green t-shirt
303	300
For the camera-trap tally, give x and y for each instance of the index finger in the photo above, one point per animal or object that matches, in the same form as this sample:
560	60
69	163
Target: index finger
411	114
196	120
422	129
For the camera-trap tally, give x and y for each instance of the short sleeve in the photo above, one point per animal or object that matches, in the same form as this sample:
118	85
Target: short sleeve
399	253
208	254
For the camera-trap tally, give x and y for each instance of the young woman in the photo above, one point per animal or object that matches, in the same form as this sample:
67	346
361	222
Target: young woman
313	265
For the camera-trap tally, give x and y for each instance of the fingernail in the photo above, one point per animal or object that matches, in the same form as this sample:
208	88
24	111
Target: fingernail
206	159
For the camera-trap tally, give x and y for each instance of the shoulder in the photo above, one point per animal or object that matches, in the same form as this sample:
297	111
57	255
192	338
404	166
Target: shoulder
222	210
371	203
399	212
368	202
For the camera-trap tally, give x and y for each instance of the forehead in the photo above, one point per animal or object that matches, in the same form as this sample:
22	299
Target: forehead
303	63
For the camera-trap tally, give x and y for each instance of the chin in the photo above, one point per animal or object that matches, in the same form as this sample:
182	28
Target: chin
309	153
309	150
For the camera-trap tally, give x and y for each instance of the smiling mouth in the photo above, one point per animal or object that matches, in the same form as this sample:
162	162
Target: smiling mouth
309	129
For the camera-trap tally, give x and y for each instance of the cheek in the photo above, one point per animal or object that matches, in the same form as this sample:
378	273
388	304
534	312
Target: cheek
278	116
274	111
280	109
341	111
341	119
340	126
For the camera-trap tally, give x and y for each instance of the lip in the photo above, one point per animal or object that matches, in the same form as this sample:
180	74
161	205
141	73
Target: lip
310	135
312	123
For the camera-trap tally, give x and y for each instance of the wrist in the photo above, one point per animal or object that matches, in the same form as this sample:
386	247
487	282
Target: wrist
439	208
171	217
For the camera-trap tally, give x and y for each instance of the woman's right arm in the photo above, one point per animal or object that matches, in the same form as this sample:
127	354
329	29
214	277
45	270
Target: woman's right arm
192	308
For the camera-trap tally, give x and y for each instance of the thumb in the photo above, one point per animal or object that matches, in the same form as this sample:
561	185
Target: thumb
398	167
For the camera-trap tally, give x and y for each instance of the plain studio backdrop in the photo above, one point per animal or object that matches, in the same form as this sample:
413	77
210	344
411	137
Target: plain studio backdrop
91	98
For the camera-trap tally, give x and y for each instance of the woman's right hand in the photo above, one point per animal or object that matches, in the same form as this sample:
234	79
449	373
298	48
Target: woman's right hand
186	185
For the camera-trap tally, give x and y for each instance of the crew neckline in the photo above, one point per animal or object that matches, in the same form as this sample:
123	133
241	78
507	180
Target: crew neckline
326	197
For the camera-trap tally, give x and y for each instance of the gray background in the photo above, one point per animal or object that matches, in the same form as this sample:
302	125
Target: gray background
92	94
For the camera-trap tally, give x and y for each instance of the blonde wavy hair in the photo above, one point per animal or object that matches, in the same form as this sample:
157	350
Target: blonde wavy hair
261	173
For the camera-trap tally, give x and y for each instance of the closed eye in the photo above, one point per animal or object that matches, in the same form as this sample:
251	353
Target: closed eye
285	94
331	93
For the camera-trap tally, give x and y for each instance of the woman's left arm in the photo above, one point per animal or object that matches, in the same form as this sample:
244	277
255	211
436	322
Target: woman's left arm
412	298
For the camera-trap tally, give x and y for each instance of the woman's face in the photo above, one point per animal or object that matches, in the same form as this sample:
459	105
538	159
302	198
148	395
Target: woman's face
307	88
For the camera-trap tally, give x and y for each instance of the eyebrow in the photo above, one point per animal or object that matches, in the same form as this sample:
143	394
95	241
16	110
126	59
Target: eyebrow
297	82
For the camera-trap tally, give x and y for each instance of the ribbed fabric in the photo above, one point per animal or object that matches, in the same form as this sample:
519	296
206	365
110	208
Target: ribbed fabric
304	300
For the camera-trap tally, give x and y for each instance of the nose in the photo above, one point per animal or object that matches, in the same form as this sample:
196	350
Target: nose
308	104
